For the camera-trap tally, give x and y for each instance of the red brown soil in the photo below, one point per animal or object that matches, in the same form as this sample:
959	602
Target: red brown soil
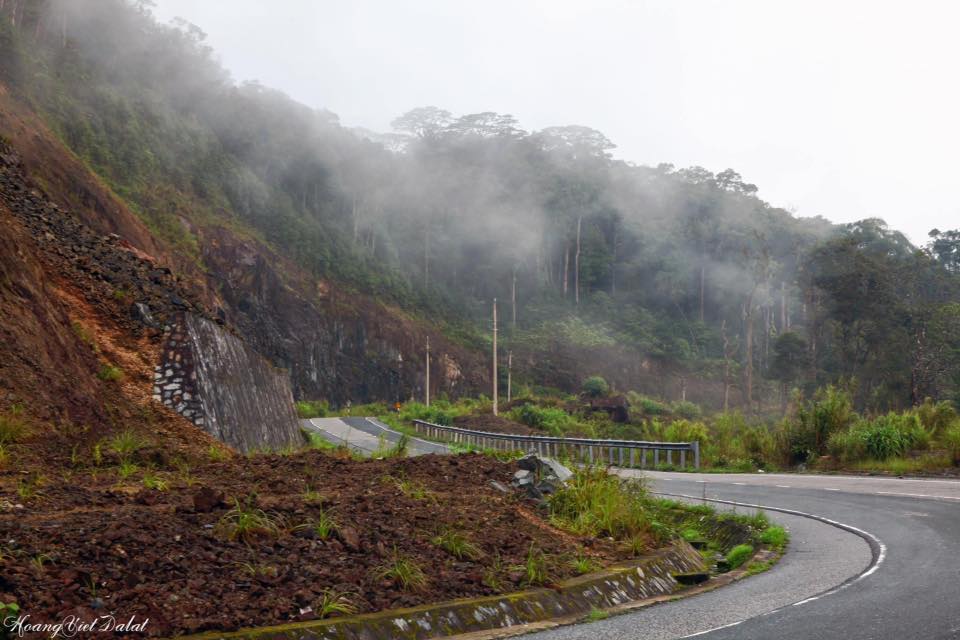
153	554
493	424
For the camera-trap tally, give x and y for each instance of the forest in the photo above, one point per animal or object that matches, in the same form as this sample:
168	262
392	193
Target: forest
677	282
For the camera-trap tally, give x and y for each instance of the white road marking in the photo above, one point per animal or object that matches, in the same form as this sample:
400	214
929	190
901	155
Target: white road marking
726	626
830	489
783	486
881	548
739	483
916	495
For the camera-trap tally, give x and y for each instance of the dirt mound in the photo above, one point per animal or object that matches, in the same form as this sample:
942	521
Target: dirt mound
98	544
493	424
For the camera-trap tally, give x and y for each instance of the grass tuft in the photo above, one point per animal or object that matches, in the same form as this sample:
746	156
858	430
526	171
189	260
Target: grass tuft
332	602
403	571
110	373
245	522
738	555
456	544
776	537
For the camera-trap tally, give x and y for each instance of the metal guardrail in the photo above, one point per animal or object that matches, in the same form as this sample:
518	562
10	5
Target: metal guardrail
621	453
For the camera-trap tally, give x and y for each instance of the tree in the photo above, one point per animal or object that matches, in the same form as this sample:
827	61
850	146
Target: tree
788	362
485	125
596	387
576	142
426	123
945	247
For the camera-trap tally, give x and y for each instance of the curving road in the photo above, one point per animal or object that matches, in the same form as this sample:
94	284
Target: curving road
911	588
891	572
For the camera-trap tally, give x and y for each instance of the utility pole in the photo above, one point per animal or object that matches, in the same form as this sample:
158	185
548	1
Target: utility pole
428	371
509	376
495	356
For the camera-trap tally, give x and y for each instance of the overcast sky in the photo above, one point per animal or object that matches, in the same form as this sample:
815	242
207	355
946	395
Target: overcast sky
844	109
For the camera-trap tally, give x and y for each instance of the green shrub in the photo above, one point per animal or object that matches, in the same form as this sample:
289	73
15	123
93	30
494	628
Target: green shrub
13	428
595	503
313	408
648	406
951	441
687	410
686	431
830	411
936	416
110	373
596	387
776	537
882	439
554	421
847	446
738	555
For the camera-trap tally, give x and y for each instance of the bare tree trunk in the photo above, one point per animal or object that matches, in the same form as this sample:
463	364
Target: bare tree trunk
613	264
703	274
566	267
426	257
513	300
726	365
576	266
509	376
495	357
748	350
427	385
356	221
784	325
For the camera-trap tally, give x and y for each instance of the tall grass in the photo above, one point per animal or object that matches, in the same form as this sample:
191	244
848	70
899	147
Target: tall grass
595	503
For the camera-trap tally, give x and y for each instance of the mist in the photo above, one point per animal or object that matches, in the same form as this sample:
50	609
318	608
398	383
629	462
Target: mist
446	210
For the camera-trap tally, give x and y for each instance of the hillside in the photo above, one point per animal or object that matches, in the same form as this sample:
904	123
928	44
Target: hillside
335	252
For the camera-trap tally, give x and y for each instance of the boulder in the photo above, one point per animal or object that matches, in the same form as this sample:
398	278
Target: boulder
540	477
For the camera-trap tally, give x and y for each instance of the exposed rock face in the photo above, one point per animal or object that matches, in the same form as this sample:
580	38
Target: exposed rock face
337	345
218	382
206	374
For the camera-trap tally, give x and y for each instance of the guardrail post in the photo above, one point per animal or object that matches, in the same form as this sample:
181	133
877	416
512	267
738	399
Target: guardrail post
696	454
643	458
656	458
633	455
683	458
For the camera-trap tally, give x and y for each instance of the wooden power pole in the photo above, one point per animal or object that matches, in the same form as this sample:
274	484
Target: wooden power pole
509	376
495	357
428	371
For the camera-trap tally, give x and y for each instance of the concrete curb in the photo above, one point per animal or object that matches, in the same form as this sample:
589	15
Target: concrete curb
642	580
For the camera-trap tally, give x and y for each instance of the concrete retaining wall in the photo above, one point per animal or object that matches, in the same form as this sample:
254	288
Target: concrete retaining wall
646	578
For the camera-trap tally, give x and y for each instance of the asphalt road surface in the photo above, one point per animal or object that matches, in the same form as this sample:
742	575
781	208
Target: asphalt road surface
895	575
869	558
365	435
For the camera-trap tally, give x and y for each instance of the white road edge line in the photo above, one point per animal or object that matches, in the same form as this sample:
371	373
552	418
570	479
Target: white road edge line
877	547
915	495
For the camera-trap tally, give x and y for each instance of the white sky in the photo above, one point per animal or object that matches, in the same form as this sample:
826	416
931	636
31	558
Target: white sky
847	108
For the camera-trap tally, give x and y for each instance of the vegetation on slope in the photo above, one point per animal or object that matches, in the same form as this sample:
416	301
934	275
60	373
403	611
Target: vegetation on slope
681	282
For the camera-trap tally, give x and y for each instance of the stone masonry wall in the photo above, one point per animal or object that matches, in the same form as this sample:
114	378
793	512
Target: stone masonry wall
218	382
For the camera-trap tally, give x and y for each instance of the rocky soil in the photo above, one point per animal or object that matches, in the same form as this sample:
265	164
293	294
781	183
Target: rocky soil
89	542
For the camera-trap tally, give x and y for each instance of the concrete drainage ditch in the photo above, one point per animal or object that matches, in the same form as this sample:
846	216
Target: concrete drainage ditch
648	577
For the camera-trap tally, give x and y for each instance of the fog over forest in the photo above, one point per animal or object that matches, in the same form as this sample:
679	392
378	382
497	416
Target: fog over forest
676	277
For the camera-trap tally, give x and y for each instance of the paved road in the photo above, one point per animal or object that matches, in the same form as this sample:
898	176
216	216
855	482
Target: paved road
892	573
364	435
914	591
